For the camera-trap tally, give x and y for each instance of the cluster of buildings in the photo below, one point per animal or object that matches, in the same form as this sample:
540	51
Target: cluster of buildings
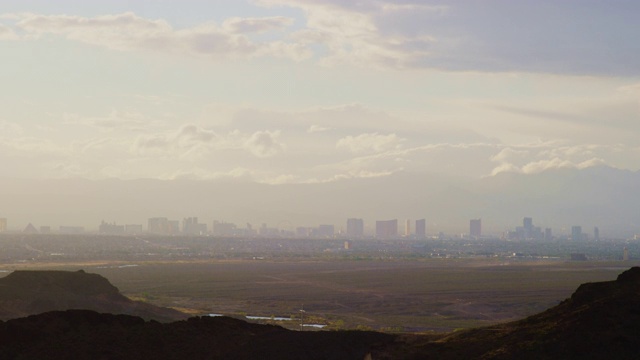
355	229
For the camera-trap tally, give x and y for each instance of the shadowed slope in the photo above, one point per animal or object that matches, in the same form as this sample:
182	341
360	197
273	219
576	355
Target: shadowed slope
25	293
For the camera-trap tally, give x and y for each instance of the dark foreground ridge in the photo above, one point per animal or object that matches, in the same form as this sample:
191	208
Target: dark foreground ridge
24	293
599	321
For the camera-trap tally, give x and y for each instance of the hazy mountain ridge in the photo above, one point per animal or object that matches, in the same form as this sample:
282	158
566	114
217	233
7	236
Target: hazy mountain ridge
597	196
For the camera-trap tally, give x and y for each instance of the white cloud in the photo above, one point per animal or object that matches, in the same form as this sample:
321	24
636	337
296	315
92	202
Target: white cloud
129	31
317	128
370	142
264	144
115	120
7	33
256	25
194	143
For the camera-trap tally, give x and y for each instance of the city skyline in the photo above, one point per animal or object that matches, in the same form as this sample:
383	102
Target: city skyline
355	228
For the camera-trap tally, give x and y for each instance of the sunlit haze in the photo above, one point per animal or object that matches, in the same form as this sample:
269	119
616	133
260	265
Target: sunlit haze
308	112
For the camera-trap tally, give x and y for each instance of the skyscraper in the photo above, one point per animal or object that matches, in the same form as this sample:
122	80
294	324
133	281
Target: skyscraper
355	227
421	229
475	228
596	233
576	233
386	229
407	228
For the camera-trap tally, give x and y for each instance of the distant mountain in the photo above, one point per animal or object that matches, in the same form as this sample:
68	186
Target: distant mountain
599	321
599	196
24	293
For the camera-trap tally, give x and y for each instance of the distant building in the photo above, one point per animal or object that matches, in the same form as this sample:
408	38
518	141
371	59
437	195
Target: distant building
527	231
475	228
325	231
158	225
221	228
71	229
547	234
596	234
3	224
347	245
110	228
407	228
45	229
421	229
163	226
355	228
386	229
191	226
579	257
576	233
133	229
625	254
303	231
30	229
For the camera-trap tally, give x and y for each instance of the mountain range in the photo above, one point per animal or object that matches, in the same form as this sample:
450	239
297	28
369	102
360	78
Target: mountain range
598	196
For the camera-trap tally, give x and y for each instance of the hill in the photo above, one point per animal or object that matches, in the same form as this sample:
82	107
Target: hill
599	321
24	293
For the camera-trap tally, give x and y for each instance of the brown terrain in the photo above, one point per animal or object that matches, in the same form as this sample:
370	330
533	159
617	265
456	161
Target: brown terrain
599	321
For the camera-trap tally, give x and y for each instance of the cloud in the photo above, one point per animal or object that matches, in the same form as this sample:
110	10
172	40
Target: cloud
536	158
490	36
369	142
194	143
128	31
115	120
316	129
264	144
256	25
7	33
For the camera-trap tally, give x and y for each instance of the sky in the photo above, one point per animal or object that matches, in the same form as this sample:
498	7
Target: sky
305	91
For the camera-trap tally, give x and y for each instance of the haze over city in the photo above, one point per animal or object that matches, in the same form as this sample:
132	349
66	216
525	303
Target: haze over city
311	112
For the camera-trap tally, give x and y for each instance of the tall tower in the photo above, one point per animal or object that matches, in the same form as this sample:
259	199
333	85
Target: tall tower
596	233
407	228
576	233
421	229
387	229
475	228
355	227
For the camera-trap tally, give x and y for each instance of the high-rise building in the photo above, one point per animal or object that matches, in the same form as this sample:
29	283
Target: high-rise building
576	233
158	225
133	228
355	227
191	226
325	231
110	228
596	233
3	224
386	229
421	229
221	228
407	228
547	234
475	228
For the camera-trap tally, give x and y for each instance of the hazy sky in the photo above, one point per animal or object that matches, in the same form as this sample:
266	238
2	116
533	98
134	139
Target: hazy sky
284	91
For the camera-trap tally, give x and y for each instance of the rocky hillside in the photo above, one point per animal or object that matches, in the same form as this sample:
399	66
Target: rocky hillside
599	321
24	293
